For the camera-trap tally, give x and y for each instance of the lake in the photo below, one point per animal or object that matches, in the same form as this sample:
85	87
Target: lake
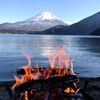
85	51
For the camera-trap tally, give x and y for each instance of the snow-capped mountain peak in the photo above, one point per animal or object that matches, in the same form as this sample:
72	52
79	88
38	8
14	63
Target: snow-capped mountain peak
47	16
43	16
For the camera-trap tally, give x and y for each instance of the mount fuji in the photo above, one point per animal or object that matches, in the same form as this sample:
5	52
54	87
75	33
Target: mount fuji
40	22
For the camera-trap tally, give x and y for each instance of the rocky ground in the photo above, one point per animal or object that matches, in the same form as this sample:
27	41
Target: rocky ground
93	88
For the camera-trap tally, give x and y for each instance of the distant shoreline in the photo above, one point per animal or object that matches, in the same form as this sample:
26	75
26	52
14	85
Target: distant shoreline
34	33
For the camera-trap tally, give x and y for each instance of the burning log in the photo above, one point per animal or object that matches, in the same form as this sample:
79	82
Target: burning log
68	79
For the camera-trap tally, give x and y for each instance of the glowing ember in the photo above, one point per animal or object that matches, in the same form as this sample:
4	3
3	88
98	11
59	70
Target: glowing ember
72	90
69	90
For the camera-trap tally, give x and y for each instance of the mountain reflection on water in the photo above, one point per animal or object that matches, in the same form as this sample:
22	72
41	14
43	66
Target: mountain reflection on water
85	50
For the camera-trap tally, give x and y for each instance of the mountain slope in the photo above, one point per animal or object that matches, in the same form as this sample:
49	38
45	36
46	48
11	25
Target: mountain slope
57	30
83	27
96	32
39	22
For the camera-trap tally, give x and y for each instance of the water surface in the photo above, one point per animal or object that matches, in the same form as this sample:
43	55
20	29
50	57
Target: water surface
85	50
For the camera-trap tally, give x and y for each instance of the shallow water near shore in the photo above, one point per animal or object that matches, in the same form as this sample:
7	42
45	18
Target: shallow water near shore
85	51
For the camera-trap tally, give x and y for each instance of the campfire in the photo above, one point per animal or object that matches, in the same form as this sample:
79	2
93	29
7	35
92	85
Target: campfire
41	83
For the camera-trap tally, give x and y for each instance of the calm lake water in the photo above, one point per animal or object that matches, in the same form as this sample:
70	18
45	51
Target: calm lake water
85	50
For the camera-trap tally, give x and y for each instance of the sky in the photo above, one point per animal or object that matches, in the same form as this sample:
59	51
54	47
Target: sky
67	10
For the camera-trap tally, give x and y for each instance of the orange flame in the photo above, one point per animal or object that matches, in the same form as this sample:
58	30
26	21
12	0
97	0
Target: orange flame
28	70
72	68
29	60
61	57
28	73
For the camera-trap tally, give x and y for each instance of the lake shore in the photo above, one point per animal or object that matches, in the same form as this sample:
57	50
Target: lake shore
93	88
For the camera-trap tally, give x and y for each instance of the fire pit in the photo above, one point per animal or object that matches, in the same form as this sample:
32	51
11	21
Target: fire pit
52	83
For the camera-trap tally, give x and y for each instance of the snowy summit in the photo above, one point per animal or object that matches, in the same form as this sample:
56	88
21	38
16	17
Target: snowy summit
47	16
44	16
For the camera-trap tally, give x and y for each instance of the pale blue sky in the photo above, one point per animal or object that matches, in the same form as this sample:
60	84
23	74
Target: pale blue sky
67	10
